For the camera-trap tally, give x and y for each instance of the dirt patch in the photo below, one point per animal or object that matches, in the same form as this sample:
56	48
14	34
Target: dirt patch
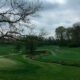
38	53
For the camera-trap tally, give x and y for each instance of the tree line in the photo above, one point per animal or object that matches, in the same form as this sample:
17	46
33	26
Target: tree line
68	36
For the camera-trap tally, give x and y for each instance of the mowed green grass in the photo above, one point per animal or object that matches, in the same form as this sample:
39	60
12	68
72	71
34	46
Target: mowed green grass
6	49
27	69
18	67
56	53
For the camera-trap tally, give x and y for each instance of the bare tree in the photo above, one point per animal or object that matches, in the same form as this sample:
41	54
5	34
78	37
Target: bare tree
15	12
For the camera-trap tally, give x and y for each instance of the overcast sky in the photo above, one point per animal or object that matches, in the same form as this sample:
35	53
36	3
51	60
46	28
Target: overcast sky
58	13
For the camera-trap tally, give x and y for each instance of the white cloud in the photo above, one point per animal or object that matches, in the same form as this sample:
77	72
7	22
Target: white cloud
57	1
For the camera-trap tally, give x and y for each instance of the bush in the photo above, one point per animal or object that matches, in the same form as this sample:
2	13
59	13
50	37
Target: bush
17	46
74	44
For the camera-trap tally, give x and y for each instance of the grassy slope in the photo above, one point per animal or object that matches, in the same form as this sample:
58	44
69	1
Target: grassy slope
62	53
20	68
27	69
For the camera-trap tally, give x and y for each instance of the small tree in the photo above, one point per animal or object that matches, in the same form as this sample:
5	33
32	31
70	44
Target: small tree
31	44
33	40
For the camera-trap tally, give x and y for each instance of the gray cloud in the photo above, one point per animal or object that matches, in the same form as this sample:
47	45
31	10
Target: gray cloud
55	14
